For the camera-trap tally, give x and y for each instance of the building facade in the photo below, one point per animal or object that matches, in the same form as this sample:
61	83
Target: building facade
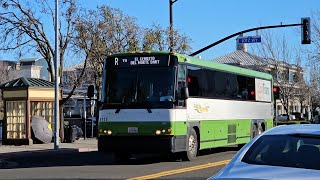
75	105
34	68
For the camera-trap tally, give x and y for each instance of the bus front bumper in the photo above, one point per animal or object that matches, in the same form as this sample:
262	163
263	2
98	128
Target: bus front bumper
141	143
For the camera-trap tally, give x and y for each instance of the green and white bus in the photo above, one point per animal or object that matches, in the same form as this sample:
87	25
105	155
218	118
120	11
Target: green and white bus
169	102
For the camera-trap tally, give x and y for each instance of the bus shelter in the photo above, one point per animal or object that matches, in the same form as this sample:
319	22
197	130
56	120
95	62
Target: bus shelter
24	98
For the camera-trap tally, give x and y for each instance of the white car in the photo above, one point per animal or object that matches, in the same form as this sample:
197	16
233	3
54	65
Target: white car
283	152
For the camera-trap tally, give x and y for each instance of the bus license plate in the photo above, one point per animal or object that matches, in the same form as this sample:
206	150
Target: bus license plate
132	130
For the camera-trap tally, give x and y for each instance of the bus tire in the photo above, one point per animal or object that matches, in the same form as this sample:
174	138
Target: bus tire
192	146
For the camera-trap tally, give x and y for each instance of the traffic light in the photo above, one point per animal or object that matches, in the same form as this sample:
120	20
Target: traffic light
276	93
305	31
90	92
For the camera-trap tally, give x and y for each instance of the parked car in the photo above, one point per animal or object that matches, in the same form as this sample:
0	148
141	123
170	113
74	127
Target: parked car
298	115
283	117
283	152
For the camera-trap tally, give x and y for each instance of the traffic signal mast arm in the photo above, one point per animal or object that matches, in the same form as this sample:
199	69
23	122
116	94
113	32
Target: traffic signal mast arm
241	32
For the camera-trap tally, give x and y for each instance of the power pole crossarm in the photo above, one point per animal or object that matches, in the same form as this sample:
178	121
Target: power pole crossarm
242	32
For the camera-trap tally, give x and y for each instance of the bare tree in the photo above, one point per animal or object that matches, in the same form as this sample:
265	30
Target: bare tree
108	30
157	38
314	85
287	76
24	28
101	32
8	72
314	54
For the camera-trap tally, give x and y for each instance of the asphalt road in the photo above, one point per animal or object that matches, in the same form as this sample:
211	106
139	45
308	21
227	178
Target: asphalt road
95	165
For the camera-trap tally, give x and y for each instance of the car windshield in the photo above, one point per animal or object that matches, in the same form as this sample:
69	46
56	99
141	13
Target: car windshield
140	87
297	150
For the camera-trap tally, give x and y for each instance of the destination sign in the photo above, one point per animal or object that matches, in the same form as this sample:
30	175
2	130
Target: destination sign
156	60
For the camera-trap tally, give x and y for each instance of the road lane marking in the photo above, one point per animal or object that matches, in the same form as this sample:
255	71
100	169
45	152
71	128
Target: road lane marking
182	170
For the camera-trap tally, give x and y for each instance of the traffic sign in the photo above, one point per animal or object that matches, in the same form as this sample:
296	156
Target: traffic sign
249	39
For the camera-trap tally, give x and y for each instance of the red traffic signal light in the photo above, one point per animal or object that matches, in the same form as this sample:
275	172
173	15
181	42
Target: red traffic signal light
275	89
276	92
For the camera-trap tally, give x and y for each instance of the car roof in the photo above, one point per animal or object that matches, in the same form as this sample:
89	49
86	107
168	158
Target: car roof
313	129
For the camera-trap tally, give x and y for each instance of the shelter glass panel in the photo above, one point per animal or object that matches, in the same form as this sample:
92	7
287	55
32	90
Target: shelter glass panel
16	119
44	109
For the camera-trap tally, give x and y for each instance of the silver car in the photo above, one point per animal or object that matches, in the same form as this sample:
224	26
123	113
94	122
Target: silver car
283	152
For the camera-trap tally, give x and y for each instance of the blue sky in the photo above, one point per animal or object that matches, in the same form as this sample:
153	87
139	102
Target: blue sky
206	21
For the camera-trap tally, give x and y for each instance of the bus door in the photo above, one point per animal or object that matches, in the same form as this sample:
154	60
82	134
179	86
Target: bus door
181	99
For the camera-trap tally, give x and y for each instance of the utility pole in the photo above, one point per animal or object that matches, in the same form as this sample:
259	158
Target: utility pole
171	25
56	73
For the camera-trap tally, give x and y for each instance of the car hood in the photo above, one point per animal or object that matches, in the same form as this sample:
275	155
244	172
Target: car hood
241	170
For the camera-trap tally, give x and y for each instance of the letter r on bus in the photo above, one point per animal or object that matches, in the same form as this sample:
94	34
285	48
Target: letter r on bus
116	61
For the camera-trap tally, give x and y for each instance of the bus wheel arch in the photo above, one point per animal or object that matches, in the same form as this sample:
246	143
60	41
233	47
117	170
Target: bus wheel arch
196	128
192	145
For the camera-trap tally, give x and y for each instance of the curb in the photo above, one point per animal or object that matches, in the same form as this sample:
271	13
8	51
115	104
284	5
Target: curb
87	149
35	153
7	164
6	155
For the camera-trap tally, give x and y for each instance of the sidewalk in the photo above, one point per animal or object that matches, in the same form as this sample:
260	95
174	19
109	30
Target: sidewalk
33	155
81	145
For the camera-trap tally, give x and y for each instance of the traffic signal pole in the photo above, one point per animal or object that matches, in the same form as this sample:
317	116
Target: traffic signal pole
242	32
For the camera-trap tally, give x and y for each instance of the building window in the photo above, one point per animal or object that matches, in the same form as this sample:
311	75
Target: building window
44	109
65	78
279	76
279	108
291	76
291	109
16	119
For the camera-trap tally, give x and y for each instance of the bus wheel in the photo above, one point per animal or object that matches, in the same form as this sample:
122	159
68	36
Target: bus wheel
192	146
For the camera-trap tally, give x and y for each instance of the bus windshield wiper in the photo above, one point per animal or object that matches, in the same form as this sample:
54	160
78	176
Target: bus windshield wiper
145	101
119	108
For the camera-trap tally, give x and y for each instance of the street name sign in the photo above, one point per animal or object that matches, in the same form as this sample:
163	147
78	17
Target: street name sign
249	39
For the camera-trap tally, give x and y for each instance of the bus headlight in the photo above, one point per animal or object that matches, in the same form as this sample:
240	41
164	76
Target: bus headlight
158	132
109	132
105	131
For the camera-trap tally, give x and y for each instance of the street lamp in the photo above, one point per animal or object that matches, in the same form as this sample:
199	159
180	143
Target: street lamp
171	2
56	87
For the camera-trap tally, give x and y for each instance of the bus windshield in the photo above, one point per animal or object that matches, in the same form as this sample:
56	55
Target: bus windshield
136	87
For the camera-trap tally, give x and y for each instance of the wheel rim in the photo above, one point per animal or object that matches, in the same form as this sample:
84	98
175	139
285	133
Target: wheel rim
192	144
